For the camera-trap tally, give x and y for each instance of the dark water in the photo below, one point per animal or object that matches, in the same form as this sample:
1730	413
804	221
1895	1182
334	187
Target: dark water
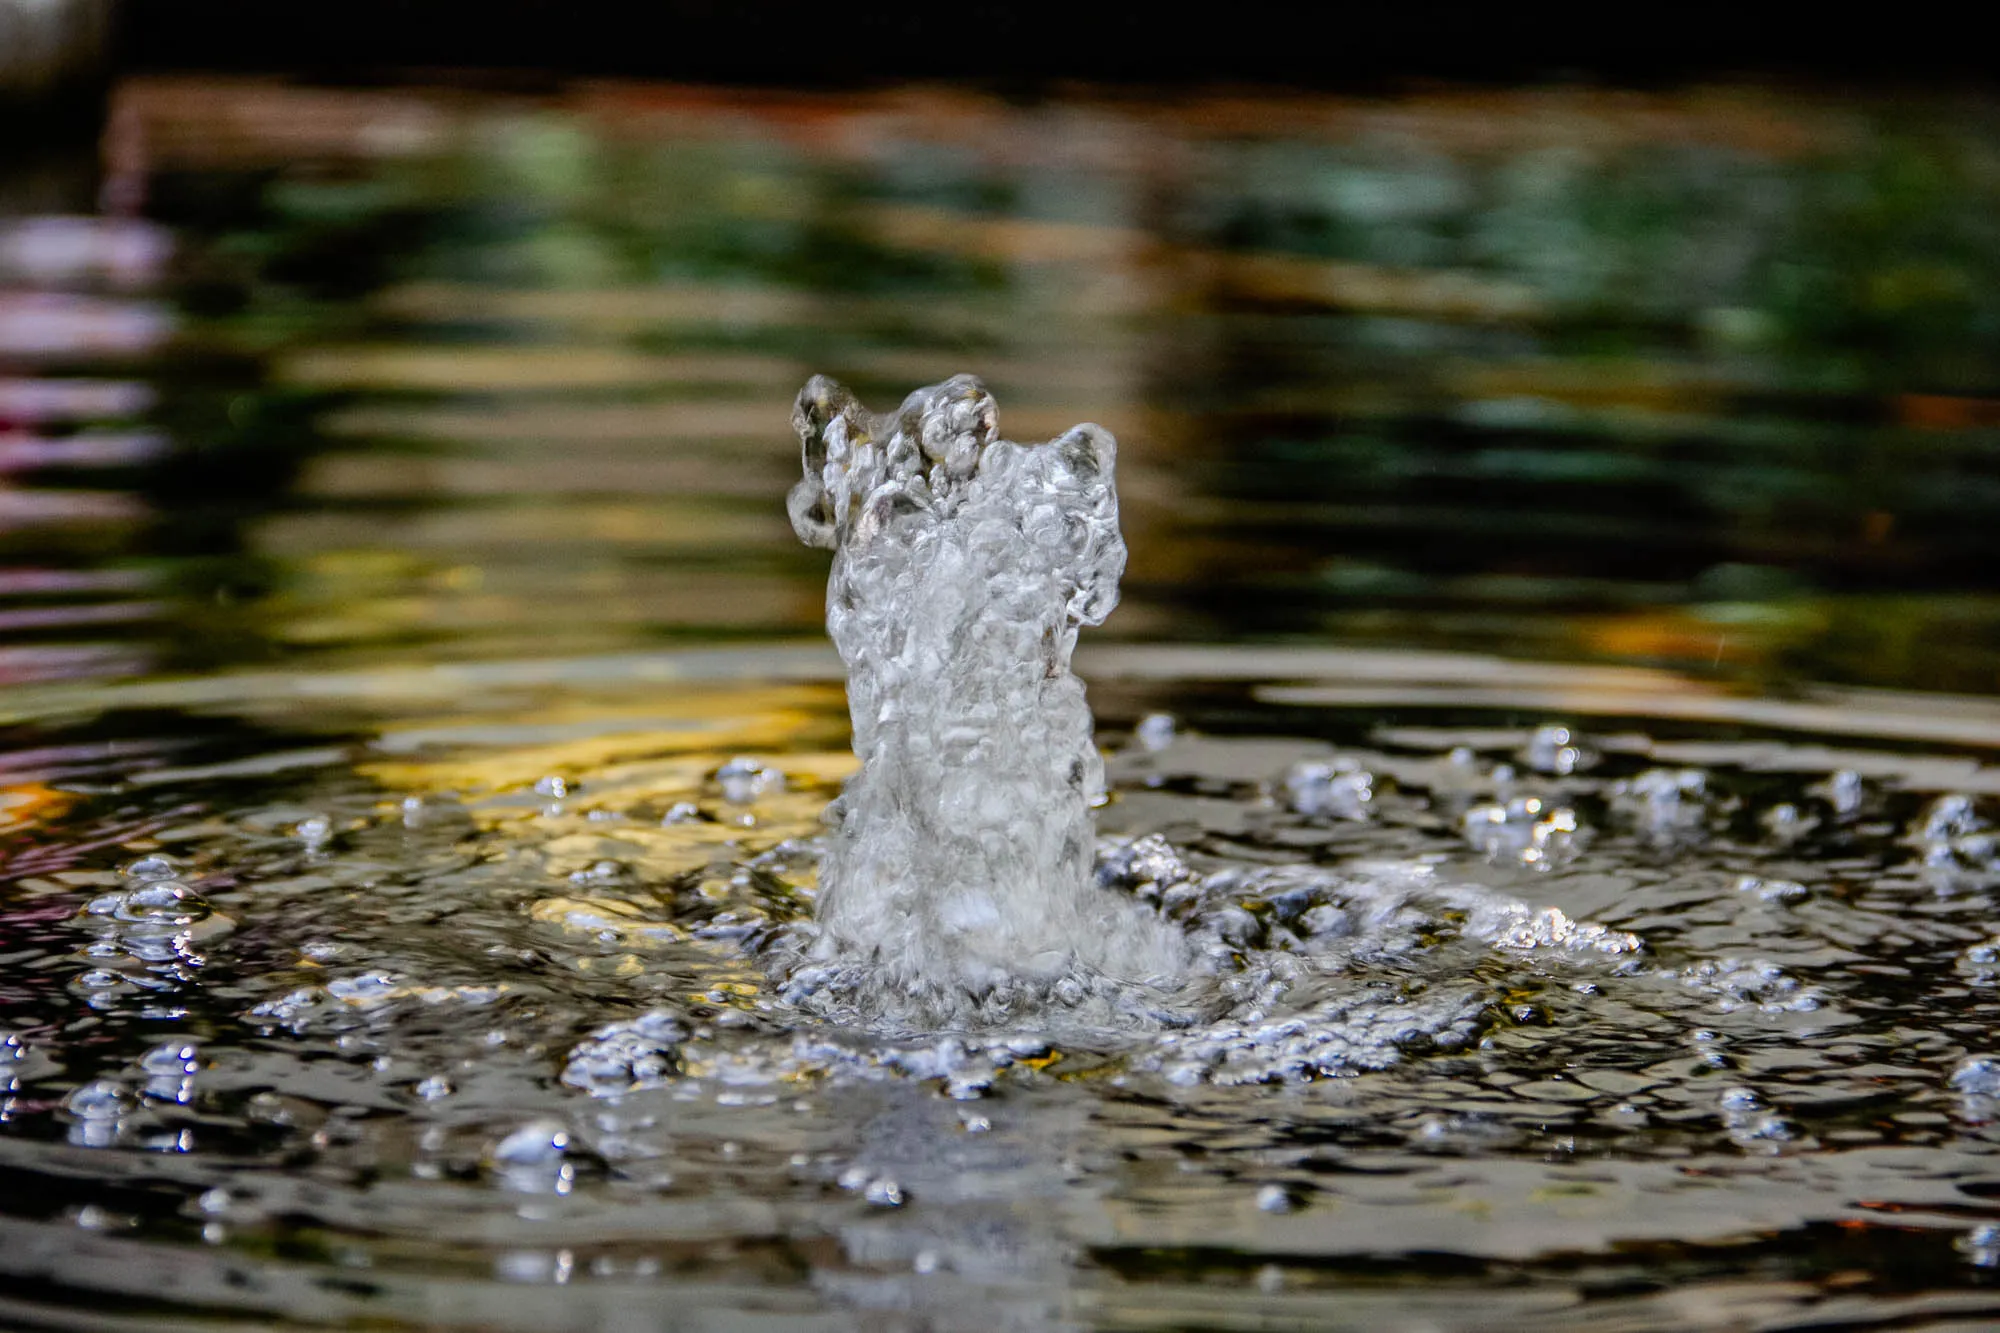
1536	501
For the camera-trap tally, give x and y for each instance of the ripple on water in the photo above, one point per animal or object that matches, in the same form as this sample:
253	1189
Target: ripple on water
510	1017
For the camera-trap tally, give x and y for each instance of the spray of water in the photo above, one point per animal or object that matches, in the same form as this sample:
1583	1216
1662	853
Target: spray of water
958	880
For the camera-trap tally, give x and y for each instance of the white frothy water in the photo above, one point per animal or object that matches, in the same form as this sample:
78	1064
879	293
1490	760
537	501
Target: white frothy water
958	879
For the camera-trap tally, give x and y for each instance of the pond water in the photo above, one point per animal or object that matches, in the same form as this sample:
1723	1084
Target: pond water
1557	688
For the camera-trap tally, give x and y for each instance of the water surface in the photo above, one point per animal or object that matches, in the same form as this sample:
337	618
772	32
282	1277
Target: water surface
417	719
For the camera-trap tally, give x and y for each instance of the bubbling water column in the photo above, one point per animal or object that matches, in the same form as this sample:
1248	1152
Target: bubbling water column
958	881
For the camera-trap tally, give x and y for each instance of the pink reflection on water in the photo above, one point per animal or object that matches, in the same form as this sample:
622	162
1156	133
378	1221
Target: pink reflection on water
120	252
26	664
49	325
25	508
22	452
31	402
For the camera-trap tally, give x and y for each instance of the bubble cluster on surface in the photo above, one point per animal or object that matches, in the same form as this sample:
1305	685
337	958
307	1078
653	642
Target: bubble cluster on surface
1525	830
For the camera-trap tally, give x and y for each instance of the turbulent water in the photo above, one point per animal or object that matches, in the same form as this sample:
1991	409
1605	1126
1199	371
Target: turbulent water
958	880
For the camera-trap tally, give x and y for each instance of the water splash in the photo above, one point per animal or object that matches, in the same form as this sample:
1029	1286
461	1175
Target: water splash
958	878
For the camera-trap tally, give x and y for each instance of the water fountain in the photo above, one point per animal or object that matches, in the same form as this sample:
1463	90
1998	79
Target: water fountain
958	881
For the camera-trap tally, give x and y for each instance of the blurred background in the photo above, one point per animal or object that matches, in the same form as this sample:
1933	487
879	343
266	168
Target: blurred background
343	335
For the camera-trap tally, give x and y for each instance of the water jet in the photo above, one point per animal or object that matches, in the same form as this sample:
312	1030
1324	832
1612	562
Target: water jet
957	882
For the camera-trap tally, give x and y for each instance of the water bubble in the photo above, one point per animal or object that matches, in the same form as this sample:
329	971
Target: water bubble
1978	1077
1739	1100
681	812
151	906
1981	962
1524	830
172	1058
98	1112
1950	817
1787	822
1981	1245
432	1088
1556	750
883	1193
365	990
1750	983
1145	867
1275	1199
1341	789
315	831
553	786
94	1217
1550	928
1666	803
1155	732
152	867
1957	844
743	781
1845	791
1773	890
537	1143
171	1071
623	1056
